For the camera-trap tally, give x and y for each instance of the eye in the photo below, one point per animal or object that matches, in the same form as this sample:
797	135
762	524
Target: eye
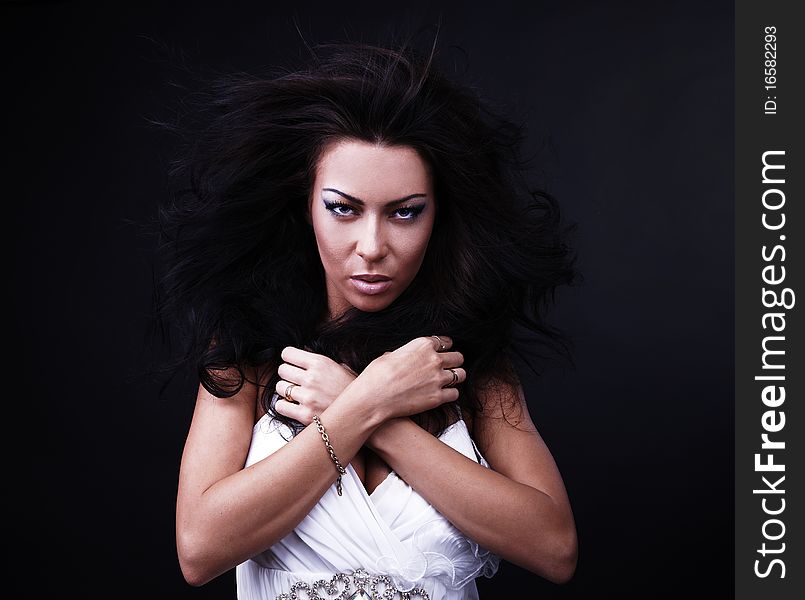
339	208
409	213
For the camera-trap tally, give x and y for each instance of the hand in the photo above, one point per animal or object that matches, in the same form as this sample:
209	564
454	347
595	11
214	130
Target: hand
413	378
316	381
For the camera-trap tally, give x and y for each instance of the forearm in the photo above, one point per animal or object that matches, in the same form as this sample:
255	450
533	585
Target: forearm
248	511
520	523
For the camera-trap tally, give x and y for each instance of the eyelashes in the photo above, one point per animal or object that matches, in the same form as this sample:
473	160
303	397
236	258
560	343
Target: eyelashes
334	206
413	211
410	212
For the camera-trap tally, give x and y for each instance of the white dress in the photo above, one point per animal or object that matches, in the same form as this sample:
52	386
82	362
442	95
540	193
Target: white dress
393	531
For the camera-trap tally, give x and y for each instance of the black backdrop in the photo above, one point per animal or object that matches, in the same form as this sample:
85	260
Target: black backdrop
630	115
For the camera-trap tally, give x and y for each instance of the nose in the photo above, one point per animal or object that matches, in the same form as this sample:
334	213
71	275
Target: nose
372	243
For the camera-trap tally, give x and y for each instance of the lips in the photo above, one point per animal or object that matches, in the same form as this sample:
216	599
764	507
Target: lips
371	278
370	284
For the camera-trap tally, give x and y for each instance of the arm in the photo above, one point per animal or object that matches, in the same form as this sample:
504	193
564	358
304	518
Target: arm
519	510
225	513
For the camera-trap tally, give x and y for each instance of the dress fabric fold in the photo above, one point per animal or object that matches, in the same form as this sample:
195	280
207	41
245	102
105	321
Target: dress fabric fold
393	531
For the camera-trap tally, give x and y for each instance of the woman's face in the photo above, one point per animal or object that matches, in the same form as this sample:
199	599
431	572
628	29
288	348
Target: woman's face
372	211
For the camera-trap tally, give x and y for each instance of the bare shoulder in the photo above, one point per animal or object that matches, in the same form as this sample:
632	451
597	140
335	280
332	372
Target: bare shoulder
507	436
502	404
212	410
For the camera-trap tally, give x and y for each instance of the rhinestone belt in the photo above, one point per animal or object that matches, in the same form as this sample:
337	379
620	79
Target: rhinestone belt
341	585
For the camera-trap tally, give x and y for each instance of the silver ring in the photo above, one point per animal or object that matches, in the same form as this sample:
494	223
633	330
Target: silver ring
455	378
441	343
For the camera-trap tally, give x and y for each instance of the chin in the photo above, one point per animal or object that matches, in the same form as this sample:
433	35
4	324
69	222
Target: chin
370	308
373	305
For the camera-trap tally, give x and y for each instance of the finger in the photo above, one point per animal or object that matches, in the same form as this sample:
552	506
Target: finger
289	409
441	342
297	356
449	394
282	389
291	373
451	380
451	359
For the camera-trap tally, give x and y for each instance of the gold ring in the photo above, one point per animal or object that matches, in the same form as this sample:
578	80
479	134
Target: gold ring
288	392
441	343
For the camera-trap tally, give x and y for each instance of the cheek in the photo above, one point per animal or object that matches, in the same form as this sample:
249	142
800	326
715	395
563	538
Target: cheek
415	250
329	242
330	253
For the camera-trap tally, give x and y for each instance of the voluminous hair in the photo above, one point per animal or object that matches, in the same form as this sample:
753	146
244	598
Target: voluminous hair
240	277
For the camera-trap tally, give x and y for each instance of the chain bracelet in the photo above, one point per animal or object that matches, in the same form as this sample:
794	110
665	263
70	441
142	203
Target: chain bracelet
326	438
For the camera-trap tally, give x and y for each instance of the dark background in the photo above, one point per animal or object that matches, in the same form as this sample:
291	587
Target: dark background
629	108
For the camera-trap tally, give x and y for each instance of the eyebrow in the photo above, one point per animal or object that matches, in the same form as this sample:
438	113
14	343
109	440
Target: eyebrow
361	202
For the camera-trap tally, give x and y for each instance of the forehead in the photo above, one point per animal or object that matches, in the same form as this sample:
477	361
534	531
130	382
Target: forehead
374	170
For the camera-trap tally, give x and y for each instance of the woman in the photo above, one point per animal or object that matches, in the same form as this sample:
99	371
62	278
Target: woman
348	263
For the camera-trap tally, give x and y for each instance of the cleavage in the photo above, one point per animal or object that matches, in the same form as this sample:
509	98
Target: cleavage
374	472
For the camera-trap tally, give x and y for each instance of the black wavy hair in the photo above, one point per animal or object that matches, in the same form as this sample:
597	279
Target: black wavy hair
239	274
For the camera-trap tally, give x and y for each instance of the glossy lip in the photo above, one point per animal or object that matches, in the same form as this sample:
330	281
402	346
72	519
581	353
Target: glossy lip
370	287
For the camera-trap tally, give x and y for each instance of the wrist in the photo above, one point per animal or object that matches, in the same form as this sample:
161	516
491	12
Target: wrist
363	406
